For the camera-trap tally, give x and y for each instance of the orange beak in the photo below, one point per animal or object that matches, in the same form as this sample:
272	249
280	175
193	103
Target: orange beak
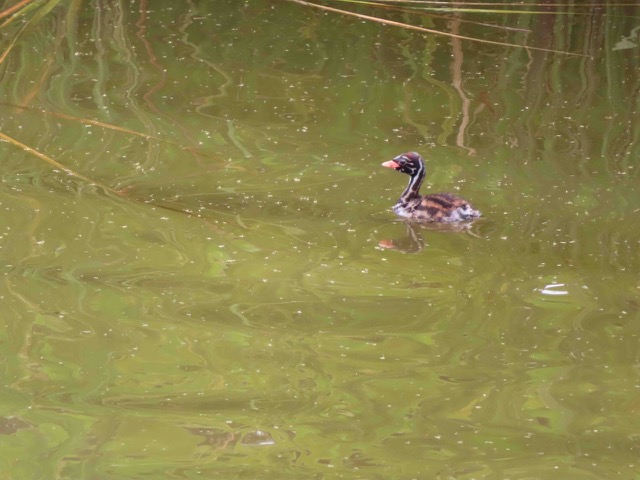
391	164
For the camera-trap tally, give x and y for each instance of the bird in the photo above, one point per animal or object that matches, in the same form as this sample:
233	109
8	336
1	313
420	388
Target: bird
435	207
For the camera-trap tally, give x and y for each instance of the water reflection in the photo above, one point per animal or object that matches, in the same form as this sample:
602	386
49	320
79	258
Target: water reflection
196	242
413	240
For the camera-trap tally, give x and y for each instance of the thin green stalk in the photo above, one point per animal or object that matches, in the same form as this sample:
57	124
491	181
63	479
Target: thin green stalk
425	30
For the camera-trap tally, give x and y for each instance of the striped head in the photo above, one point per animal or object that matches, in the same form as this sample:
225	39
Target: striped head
410	163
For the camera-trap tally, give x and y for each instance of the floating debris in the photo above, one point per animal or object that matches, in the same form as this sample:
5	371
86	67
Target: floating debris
258	439
549	289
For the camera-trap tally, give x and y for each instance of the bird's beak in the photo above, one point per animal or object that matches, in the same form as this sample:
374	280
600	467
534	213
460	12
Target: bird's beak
391	164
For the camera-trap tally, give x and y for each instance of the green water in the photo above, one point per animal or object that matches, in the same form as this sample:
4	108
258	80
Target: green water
203	294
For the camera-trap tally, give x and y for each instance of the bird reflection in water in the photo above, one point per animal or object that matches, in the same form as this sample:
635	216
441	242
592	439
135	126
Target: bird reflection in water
413	240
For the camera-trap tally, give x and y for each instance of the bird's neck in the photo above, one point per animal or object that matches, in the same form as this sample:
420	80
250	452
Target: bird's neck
413	188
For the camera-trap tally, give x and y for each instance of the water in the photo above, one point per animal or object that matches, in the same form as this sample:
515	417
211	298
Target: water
204	292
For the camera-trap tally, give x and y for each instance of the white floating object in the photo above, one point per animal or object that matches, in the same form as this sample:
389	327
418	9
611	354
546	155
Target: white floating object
549	289
258	439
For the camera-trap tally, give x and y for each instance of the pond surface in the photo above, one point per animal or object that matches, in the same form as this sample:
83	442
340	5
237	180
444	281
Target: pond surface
196	274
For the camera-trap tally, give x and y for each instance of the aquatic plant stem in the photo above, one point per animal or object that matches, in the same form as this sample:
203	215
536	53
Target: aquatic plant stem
56	164
97	123
425	30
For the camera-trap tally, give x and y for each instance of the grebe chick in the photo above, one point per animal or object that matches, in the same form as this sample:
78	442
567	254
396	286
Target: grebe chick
435	207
